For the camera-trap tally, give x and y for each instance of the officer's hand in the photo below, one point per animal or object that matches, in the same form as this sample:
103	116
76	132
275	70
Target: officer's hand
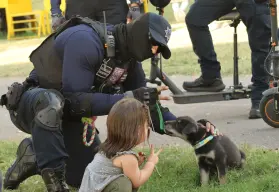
57	20
163	88
146	95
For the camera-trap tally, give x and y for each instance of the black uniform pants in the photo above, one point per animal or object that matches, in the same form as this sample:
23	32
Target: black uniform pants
116	10
57	147
255	16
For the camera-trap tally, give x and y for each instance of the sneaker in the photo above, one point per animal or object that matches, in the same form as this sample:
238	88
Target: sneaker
202	85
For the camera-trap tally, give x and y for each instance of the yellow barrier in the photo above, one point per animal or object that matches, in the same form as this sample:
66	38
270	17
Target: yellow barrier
145	5
22	8
47	12
35	21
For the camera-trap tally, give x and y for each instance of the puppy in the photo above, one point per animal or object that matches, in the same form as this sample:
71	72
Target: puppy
214	153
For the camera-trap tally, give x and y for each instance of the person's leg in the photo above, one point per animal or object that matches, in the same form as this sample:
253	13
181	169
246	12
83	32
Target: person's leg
184	5
79	155
116	11
121	184
201	13
40	111
83	8
175	8
256	17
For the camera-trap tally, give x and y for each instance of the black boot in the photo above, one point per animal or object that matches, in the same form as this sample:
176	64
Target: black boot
24	166
255	112
204	85
54	179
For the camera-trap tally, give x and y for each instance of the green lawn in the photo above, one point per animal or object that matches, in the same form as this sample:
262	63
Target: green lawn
179	172
183	61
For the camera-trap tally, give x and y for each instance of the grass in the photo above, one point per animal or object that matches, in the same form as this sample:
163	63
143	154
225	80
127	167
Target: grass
180	172
183	61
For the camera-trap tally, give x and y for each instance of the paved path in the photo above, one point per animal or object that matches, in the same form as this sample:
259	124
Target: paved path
229	116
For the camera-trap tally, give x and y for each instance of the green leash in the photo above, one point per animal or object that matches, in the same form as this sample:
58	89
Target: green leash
162	125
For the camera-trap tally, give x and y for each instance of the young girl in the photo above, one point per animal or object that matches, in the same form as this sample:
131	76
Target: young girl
116	166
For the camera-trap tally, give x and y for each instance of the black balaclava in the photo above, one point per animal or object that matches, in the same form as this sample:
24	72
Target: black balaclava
135	40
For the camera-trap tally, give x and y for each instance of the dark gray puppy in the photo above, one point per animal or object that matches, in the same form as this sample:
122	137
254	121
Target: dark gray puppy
214	153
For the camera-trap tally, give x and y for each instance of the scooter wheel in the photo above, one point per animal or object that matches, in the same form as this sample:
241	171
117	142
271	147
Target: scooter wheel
268	112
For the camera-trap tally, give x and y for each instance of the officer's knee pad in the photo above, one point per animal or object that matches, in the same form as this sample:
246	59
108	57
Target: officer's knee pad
49	110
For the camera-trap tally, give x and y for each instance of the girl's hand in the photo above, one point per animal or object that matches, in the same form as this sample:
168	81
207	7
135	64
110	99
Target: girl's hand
153	157
142	158
130	166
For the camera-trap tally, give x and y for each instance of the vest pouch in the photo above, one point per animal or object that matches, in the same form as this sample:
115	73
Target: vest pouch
47	64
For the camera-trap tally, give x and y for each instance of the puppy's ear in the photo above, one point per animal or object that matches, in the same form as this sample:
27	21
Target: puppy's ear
189	125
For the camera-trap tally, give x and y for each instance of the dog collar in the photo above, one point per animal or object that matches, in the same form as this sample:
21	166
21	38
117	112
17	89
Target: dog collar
203	142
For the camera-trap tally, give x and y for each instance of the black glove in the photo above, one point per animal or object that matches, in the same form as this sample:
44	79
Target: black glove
148	96
29	82
57	20
12	97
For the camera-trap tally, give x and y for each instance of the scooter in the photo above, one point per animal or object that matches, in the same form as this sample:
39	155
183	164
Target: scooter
237	91
269	105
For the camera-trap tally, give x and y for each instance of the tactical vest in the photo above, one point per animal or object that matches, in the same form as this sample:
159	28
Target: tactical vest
48	65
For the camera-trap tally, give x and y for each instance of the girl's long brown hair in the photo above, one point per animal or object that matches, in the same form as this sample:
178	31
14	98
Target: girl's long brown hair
125	124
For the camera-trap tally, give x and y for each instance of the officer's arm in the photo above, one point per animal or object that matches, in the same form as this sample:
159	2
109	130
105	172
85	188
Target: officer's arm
55	7
82	53
135	78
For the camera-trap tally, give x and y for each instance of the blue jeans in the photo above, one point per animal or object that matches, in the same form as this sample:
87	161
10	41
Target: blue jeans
256	18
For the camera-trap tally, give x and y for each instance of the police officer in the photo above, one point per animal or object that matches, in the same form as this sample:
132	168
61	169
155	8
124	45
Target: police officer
255	15
116	10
